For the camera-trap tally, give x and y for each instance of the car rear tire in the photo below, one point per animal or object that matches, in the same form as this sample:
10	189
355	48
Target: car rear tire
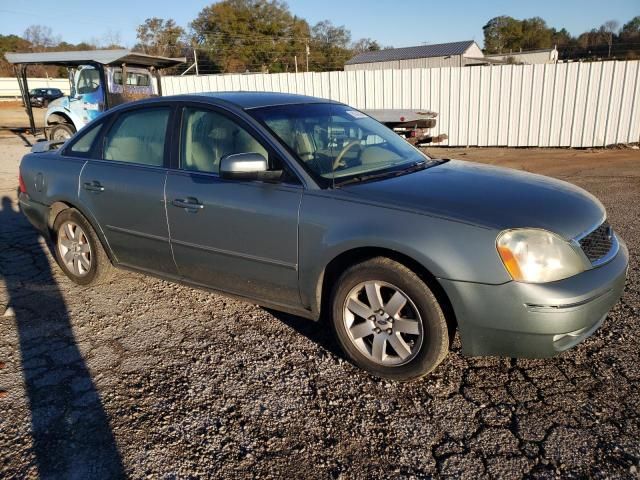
388	321
61	131
78	249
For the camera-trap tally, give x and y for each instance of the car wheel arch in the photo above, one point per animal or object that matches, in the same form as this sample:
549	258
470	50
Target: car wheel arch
59	206
336	266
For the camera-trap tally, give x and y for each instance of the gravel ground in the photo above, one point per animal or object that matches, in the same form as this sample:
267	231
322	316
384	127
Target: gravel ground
140	377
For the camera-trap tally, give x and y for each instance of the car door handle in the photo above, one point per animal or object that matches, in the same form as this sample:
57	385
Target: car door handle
93	187
189	203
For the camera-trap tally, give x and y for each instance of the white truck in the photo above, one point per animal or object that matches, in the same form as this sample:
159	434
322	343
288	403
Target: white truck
99	80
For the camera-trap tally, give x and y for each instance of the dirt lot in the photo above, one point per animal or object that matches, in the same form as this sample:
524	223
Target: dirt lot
145	378
13	115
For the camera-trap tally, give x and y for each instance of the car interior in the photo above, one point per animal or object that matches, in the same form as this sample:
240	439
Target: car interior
326	144
138	137
208	136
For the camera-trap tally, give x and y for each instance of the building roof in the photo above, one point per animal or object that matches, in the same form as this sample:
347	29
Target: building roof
406	53
105	57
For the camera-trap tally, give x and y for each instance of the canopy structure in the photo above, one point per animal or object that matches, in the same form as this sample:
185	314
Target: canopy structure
70	59
103	57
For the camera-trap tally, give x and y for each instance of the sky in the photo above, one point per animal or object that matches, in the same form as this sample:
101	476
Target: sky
391	23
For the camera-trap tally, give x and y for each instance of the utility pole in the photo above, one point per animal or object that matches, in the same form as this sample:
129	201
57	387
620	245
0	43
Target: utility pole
195	61
307	56
295	60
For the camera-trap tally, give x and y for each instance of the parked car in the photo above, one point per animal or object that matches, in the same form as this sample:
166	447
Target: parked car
40	97
311	207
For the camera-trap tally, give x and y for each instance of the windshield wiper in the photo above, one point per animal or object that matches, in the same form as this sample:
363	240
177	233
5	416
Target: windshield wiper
414	167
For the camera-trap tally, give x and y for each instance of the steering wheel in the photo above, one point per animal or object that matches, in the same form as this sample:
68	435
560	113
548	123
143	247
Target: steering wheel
338	161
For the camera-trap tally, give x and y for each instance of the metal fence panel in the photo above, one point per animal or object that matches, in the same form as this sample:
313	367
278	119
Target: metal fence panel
550	105
9	85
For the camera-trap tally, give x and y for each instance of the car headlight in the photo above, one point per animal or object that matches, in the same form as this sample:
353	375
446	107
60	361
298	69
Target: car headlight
538	256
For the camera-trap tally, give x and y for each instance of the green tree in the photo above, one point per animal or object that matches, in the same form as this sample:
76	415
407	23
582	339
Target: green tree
11	43
250	35
502	34
630	38
535	34
631	29
329	46
157	36
561	38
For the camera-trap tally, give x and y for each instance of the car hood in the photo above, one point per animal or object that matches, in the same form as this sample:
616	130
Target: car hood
489	196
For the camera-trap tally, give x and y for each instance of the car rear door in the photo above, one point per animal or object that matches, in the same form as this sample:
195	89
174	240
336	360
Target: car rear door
236	236
124	188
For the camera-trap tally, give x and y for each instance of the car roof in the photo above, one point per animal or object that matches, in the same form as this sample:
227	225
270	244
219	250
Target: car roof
249	100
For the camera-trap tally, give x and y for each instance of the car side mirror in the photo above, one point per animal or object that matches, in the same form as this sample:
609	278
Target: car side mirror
247	166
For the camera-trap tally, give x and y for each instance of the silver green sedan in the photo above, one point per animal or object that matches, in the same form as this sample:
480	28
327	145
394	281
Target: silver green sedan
312	207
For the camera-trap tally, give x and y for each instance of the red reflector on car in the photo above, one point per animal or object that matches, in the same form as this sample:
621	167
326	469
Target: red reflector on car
23	187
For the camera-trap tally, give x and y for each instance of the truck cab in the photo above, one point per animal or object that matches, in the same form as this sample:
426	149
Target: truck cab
89	88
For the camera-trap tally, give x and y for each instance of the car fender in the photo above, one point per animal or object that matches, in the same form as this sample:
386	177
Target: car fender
331	226
56	180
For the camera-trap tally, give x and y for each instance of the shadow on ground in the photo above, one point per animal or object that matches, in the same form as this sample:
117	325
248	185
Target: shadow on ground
71	434
319	332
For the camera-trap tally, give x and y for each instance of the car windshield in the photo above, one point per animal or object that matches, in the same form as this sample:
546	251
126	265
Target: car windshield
337	142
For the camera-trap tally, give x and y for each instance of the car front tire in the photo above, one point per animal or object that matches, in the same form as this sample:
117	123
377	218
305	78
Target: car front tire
78	249
388	321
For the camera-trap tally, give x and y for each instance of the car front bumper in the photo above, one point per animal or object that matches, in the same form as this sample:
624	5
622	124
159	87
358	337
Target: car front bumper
536	320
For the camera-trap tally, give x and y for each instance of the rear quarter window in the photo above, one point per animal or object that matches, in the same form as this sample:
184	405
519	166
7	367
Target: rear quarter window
84	142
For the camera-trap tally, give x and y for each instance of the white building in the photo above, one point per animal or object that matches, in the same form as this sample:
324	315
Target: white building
528	57
456	54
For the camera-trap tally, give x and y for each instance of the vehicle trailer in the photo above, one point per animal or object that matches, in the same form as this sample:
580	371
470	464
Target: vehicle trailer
99	80
412	125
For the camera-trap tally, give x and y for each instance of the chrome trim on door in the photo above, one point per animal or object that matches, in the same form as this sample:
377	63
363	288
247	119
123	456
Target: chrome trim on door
137	233
245	256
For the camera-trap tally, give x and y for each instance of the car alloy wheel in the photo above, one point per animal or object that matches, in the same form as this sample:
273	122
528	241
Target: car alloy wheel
74	248
383	323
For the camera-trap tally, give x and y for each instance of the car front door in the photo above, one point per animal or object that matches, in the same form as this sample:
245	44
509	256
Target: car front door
237	236
124	189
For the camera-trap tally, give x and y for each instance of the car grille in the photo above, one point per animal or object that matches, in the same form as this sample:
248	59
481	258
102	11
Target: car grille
598	243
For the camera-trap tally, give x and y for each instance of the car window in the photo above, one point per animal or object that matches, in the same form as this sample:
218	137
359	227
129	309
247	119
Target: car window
208	136
138	137
84	141
335	141
133	78
88	81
